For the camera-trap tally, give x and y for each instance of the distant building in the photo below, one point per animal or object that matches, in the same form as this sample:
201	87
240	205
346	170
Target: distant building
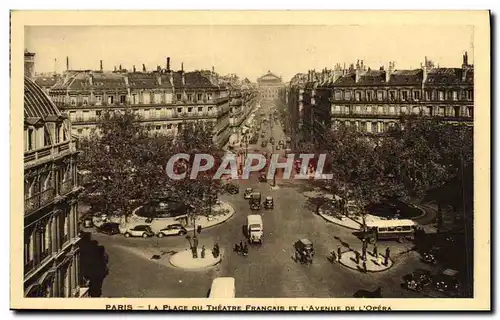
51	232
162	98
269	86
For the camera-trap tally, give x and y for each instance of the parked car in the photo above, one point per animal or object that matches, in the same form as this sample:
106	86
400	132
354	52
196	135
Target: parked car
304	251
447	282
139	231
172	230
109	228
269	203
417	280
232	188
248	193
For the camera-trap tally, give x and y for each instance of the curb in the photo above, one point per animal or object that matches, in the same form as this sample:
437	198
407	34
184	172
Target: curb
226	218
324	216
201	268
367	271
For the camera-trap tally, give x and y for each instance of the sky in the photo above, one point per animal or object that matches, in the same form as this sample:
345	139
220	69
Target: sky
248	51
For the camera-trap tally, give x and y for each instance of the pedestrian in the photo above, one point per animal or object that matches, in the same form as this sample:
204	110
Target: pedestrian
245	249
217	250
375	251
339	253
357	256
198	229
241	244
203	252
333	256
363	253
387	255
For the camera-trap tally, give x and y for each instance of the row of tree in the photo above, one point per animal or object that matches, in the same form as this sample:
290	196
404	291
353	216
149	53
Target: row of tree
407	161
124	165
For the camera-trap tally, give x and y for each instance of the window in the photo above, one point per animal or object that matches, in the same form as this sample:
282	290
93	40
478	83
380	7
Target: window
158	127
427	95
66	227
416	110
85	101
98	100
380	95
30	139
454	95
157	98
441	111
190	109
456	111
98	113
146	97
46	137
403	109
441	95
210	109
392	95
470	112
369	95
382	229
357	109
199	96
470	95
406	228
111	99
209	96
190	96
200	109
169	126
179	110
404	95
179	97
29	253
416	95
369	127
80	131
380	110
73	101
347	95
392	110
368	109
338	95
134	99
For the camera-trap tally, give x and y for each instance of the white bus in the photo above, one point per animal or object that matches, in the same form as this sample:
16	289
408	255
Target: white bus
223	287
400	230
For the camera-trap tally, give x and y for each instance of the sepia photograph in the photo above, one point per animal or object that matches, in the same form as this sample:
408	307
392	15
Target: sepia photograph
297	156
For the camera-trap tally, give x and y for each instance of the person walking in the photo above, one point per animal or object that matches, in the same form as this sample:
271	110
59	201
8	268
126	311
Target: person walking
333	256
198	229
241	244
339	253
357	256
203	252
387	256
375	251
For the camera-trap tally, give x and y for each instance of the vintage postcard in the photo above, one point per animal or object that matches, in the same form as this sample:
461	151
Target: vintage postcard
254	161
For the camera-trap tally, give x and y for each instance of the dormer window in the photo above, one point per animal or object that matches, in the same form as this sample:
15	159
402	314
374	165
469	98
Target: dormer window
85	101
73	101
31	138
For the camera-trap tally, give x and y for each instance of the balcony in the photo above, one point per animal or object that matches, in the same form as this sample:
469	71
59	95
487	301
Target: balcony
38	200
49	152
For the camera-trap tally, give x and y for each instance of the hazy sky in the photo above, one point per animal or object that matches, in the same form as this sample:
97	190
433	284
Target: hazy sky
248	51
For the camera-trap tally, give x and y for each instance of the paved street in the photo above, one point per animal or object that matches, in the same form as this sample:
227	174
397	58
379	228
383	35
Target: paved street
268	271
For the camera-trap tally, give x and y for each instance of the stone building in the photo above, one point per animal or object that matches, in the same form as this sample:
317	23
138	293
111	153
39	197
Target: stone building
51	233
373	100
162	98
269	86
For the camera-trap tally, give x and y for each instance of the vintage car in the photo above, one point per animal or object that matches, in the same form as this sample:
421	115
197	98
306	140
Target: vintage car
417	280
248	193
255	201
176	229
139	231
109	228
232	188
269	203
304	251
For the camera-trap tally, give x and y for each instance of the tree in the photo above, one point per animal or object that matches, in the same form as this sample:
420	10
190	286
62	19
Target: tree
125	163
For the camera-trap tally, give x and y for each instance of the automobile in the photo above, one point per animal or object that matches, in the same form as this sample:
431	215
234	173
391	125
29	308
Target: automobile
255	201
232	188
109	228
304	251
176	229
139	231
269	203
248	193
417	280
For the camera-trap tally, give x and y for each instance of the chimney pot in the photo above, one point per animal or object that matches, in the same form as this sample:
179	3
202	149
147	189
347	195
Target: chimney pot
67	63
168	63
100	65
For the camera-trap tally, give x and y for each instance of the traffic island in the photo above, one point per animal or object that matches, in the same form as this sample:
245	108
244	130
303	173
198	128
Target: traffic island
373	264
184	260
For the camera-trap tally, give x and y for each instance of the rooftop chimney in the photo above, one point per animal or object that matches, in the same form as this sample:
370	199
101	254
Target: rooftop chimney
29	64
133	68
182	73
115	68
100	68
390	70
143	67
120	68
465	60
168	64
67	63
